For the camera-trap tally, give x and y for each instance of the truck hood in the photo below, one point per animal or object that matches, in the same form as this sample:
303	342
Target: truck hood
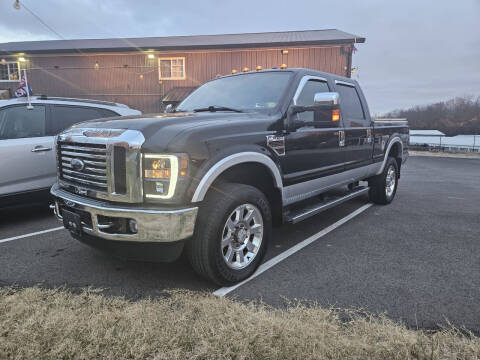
161	129
149	124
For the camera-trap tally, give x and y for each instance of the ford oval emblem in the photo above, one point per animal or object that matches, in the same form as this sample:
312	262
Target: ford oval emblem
77	164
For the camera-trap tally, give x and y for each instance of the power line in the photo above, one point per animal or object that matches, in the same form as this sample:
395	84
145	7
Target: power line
39	19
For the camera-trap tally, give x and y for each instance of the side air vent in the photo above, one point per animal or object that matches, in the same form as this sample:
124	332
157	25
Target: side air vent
119	169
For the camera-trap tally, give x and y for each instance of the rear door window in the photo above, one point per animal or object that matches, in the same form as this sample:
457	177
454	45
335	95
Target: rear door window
351	106
108	113
65	116
18	122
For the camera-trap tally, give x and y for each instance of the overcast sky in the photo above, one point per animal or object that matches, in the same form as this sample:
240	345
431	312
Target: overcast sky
416	52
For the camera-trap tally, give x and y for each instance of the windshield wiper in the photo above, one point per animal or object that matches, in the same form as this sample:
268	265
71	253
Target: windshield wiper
213	108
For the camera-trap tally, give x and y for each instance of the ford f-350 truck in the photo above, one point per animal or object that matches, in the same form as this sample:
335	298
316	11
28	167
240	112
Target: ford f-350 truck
241	153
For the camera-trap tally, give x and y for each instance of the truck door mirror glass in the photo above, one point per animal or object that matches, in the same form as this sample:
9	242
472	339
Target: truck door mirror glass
324	116
326	99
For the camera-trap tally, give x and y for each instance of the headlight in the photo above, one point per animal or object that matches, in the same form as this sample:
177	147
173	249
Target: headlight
161	173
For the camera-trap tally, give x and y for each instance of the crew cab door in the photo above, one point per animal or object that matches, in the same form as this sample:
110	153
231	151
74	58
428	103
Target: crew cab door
358	128
313	150
28	160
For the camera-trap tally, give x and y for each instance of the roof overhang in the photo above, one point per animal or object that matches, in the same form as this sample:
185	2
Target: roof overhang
182	43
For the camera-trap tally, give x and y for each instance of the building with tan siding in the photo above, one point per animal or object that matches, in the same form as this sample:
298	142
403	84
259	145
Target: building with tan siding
147	73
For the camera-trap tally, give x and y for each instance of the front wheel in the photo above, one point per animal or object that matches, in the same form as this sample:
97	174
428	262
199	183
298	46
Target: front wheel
383	187
232	232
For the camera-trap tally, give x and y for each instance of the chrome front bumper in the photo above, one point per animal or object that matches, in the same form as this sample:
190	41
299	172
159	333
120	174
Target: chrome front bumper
153	225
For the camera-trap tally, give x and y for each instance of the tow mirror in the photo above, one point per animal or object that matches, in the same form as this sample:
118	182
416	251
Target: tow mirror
326	99
326	108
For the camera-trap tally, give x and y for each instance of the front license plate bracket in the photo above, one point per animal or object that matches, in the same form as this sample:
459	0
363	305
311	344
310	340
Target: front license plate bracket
72	222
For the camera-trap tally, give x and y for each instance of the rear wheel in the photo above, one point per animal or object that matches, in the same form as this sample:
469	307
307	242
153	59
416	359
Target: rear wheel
231	234
383	187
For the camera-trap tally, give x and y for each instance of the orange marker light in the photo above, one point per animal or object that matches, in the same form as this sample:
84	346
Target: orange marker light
335	115
183	166
245	69
259	68
283	66
234	71
183	162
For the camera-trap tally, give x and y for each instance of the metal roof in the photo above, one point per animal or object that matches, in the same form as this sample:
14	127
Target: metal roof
265	39
426	133
460	141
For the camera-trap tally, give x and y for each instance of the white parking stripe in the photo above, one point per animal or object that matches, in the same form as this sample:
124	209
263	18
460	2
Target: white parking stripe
275	260
31	234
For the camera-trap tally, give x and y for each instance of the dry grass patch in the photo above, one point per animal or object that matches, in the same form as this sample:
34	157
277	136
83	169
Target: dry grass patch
51	324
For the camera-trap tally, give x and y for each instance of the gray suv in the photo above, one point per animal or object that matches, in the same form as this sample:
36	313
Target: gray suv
27	156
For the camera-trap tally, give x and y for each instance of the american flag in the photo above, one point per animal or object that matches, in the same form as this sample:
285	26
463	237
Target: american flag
23	89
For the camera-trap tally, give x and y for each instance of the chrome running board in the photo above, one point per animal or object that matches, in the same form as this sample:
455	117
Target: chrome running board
297	215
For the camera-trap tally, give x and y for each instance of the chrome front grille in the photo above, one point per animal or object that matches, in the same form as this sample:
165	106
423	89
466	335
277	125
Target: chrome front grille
84	164
101	163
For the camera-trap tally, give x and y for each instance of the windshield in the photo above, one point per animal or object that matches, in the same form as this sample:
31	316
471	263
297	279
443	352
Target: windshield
252	91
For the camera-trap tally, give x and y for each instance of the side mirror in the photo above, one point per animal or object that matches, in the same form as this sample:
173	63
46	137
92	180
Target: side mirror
326	99
169	109
324	104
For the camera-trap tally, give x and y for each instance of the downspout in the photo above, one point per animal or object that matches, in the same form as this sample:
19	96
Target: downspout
348	72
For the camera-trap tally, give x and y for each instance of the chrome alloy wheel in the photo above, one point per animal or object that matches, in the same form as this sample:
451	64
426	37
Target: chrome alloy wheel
390	181
242	236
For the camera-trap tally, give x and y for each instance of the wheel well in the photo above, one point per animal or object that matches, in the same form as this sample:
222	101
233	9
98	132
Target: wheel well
396	153
259	176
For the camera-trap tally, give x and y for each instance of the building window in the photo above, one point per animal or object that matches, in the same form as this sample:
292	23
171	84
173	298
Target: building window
172	68
9	71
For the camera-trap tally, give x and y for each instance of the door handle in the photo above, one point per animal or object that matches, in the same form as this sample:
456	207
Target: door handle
341	138
40	148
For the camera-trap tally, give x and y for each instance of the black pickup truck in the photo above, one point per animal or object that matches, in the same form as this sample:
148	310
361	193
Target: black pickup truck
241	153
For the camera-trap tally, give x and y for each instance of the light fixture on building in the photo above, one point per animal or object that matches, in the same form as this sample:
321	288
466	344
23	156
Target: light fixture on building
245	69
151	56
141	76
3	62
21	59
16	5
283	66
96	66
234	71
284	51
258	68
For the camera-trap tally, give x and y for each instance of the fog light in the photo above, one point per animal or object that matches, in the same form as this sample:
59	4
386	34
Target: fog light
132	225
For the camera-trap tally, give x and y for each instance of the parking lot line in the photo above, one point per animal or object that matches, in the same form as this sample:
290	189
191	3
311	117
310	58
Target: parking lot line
275	260
31	234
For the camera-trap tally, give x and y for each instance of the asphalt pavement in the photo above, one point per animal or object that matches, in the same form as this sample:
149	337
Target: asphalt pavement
416	259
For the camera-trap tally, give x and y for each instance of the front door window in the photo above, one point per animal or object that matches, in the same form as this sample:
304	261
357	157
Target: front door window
18	122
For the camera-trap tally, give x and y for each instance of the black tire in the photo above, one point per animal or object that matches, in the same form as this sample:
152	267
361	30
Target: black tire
378	184
204	250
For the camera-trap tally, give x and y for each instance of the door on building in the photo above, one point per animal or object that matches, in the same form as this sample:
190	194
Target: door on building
358	128
312	151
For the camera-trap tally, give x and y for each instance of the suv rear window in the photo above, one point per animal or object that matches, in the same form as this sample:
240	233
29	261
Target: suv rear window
66	115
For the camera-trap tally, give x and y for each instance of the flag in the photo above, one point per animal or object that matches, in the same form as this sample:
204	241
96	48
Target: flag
23	89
